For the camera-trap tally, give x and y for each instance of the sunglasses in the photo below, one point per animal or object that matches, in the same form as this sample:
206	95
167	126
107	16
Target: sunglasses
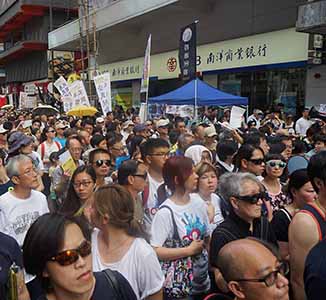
68	257
258	161
100	162
252	199
273	164
52	131
144	176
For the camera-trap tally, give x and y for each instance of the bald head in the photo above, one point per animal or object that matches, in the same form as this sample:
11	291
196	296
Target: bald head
239	257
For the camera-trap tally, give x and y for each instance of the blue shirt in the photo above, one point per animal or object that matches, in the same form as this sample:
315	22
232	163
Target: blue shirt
62	141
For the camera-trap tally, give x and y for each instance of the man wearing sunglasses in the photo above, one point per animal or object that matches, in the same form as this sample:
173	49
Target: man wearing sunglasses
100	161
253	270
132	175
244	194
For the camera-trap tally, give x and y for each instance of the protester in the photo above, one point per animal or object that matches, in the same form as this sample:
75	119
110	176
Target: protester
207	185
254	270
162	127
302	125
120	243
80	193
100	160
132	175
225	153
180	230
308	226
64	262
60	127
300	192
199	153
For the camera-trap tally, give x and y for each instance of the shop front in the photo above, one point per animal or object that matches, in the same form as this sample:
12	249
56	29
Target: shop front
267	68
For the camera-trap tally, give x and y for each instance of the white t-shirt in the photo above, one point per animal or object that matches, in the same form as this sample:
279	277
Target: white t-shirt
19	214
140	266
48	149
216	202
192	224
302	125
151	204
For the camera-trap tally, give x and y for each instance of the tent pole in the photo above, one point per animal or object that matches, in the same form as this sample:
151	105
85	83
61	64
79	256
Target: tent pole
196	110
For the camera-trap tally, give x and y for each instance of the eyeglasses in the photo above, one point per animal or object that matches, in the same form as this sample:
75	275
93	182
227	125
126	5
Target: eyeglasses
273	164
68	257
29	172
75	149
82	183
252	199
160	154
144	176
257	161
100	162
271	278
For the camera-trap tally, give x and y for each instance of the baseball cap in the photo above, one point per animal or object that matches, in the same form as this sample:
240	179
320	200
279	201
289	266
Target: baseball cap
60	125
2	129
140	127
210	131
162	123
99	120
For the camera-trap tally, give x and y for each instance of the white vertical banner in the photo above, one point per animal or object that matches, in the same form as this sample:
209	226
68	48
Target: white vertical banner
146	68
68	103
22	100
103	89
143	112
78	93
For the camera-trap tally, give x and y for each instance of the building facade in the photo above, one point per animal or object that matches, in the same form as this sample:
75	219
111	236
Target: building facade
249	48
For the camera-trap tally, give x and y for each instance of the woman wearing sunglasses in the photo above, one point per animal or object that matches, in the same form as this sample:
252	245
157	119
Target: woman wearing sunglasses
180	230
120	243
57	250
80	192
275	165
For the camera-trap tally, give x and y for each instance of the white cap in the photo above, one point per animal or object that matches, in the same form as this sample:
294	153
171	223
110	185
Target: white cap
2	129
99	120
162	123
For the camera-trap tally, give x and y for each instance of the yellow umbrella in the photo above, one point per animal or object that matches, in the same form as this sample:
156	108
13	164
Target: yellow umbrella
82	111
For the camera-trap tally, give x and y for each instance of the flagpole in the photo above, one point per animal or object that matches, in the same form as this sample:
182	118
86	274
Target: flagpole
196	92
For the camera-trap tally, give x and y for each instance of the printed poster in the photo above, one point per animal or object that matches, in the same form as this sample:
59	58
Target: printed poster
103	89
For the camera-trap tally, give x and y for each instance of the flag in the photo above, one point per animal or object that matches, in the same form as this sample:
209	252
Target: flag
188	52
146	68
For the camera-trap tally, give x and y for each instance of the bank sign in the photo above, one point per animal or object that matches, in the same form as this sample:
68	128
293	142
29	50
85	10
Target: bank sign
263	49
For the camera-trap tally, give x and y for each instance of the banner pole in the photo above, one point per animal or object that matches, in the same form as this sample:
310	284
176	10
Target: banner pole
196	111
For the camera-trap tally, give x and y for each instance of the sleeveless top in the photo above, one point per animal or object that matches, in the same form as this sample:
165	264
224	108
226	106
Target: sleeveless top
318	216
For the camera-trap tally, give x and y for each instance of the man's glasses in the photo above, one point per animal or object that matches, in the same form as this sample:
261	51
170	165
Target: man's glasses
273	164
252	199
100	162
82	183
258	161
144	176
270	278
68	257
160	154
29	172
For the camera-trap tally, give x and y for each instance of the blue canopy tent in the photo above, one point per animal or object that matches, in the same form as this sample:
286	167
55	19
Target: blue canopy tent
198	93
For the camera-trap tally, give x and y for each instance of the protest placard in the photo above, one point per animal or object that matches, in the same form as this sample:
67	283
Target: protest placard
103	89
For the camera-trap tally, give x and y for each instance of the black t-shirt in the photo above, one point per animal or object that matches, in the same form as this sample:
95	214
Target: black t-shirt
9	253
6	187
103	289
280	224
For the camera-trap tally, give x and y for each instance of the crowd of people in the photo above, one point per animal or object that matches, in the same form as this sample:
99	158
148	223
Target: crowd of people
164	208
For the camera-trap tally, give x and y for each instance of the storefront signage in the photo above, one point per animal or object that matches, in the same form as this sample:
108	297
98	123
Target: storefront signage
276	47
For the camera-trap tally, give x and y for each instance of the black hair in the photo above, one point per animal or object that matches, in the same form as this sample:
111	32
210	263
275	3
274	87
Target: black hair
297	180
54	156
97	139
277	148
319	138
245	152
44	132
97	151
228	148
126	169
253	138
44	239
299	147
274	156
112	127
36	121
173	136
135	144
317	168
151	144
87	121
71	204
113	138
73	137
8	125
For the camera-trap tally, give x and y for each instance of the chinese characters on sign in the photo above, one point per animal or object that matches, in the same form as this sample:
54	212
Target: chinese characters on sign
239	54
62	86
125	70
103	89
78	92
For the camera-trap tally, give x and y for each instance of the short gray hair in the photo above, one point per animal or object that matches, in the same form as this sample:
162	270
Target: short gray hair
12	166
230	184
